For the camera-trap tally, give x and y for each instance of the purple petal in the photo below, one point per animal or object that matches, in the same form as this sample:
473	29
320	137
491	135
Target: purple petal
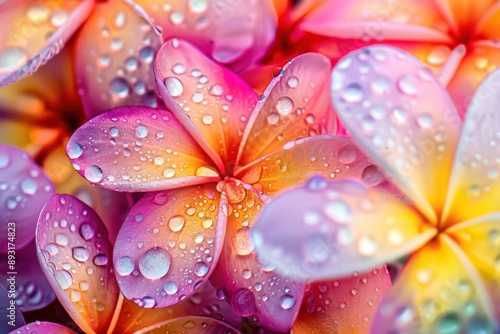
42	327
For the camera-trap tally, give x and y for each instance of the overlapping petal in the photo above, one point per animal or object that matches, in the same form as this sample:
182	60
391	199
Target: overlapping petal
138	149
169	244
34	31
42	327
191	324
403	117
344	305
114	58
253	288
24	190
75	254
342	227
444	294
213	103
294	105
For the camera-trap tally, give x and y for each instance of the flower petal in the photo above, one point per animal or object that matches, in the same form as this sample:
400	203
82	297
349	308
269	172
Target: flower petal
332	157
346	305
34	31
10	313
191	324
253	289
210	101
33	291
474	180
42	327
24	190
468	13
169	244
235	33
479	238
340	228
114	58
294	105
138	149
442	295
75	254
402	117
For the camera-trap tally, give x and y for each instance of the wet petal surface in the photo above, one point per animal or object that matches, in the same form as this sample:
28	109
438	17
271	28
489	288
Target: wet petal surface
42	327
192	325
169	244
76	256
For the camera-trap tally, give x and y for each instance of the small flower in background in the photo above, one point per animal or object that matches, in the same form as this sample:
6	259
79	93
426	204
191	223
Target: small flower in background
400	115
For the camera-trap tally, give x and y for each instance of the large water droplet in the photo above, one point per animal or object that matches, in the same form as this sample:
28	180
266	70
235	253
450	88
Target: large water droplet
124	266
87	231
450	324
347	154
141	131
366	246
176	223
93	173
154	263
198	6
80	254
425	120
75	150
174	86
206	172
100	260
200	269
216	90
242	242
11	58
64	278
284	105
119	87
353	93
29	186
170	288
338	211
408	84
286	302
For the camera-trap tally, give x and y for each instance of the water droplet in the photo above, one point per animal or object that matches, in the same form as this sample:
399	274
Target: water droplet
29	186
371	176
293	82
178	68
284	105
216	90
366	246
242	242
113	131
119	87
124	266
11	58
399	115
287	301
381	85
243	302
93	173
207	222
353	93
425	120
52	249
200	269
169	173
87	231
197	97
273	118
100	260
120	20
61	239
316	183
170	288
347	154
207	119
206	172
141	131
154	263
37	13
147	54
246	274
75	296
75	150
80	254
4	160
174	86
64	278
450	324
408	84
438	55
58	17
338	211
176	223
131	64
198	6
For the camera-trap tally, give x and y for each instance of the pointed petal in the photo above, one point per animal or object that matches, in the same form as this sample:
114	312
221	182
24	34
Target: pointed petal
33	291
479	238
342	227
10	313
24	190
332	157
403	118
75	254
192	325
169	244
402	20
445	294
208	99
467	13
254	289
114	58
473	182
42	327
346	305
233	33
32	32
138	149
294	105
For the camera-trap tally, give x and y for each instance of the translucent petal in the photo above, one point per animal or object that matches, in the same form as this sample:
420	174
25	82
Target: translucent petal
12	315
114	58
253	288
212	102
402	117
330	156
345	305
294	105
32	32
32	289
445	295
138	149
192	325
24	190
169	244
231	32
42	327
474	180
331	229
75	254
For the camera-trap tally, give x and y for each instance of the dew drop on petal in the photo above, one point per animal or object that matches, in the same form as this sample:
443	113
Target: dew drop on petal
93	173
141	131
366	246
170	288
242	242
200	269
124	266
178	68
338	211
64	278
176	223
169	173
425	120
75	150
4	160
87	231
243	302
293	82
174	86
155	263
408	84
100	260
80	254
353	93
29	186
11	58
284	105
287	301
119	87
347	154
216	90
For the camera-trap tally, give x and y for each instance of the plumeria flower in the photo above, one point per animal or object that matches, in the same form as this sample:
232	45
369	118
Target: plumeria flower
208	166
404	119
74	250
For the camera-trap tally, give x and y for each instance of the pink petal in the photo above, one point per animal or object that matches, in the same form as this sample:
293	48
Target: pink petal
345	305
75	254
294	105
169	244
114	58
325	230
33	32
254	289
474	178
138	149
42	327
192	324
24	190
33	291
233	33
12	317
402	117
213	103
